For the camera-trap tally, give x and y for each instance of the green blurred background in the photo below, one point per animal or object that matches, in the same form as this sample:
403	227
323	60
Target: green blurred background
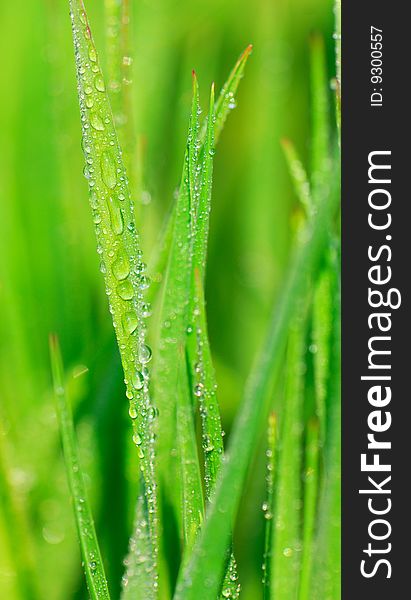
49	275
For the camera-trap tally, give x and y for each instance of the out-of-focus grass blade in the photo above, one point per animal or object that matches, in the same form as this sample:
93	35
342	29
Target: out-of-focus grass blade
326	572
337	37
92	561
268	506
320	151
208	558
286	540
119	249
299	176
225	104
119	67
311	477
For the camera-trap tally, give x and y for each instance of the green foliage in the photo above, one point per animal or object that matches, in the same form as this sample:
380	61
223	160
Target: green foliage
162	479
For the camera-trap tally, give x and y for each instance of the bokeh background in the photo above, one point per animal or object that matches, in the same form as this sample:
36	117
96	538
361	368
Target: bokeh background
49	275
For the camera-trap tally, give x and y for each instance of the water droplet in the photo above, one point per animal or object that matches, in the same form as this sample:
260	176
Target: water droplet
144	282
96	122
198	390
144	354
116	217
127	61
132	412
137	379
99	83
288	552
125	290
130	322
121	267
137	439
89	101
108	170
92	54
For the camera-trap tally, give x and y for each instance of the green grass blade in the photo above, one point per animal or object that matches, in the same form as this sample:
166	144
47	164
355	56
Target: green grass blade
320	151
225	104
268	506
326	573
169	390
321	337
137	581
286	540
226	101
118	247
299	176
209	554
92	561
192	494
311	478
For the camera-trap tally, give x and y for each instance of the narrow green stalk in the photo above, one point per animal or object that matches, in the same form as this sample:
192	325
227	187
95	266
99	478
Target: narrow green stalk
119	249
209	553
268	506
286	540
311	478
92	561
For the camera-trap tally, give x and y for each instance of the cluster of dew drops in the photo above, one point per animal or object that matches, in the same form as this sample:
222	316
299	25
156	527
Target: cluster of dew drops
117	238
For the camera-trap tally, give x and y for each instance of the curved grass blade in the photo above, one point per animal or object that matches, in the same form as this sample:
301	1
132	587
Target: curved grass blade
286	540
268	506
209	553
311	477
92	561
119	250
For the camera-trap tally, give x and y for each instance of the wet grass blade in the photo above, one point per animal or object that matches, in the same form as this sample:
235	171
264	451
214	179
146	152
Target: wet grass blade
137	581
286	540
223	107
170	361
210	551
119	249
268	506
92	561
311	479
226	101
